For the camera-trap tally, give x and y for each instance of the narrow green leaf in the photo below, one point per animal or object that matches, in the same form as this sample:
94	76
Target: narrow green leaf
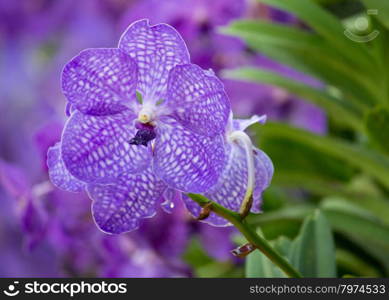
382	8
352	221
290	213
313	251
325	24
308	53
379	46
313	183
334	106
360	227
282	222
354	264
377	128
305	166
364	192
371	162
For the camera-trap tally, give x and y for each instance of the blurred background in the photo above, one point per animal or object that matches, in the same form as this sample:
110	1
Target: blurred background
318	69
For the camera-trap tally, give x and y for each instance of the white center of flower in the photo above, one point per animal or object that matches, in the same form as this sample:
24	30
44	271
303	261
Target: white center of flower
146	114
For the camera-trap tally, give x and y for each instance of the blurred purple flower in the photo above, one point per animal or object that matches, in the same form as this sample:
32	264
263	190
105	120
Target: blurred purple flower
32	215
217	241
197	21
275	102
80	248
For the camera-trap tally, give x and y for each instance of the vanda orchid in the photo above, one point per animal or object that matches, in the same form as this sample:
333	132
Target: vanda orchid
144	122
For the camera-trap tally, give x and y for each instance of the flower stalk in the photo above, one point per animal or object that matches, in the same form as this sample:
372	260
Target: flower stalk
243	139
256	240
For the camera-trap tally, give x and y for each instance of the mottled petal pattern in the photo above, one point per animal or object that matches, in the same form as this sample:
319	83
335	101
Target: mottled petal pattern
231	187
198	100
118	208
14	180
98	148
100	81
187	161
58	173
156	50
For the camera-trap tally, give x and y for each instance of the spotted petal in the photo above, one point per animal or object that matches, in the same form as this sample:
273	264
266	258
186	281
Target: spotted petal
185	160
118	208
198	99
231	187
97	148
156	50
100	81
58	173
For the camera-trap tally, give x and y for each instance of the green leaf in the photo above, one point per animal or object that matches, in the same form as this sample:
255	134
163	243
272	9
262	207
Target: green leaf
371	162
352	263
305	166
285	221
334	106
359	226
308	53
295	212
366	194
379	46
382	7
315	183
325	24
377	128
352	221
313	251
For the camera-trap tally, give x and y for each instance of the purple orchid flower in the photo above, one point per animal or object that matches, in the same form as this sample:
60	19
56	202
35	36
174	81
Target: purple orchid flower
126	153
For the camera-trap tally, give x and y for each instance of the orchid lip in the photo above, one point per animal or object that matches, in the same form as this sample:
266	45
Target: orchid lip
144	135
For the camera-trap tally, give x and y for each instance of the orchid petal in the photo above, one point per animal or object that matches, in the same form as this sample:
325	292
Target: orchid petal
119	207
198	100
100	81
97	148
185	160
156	50
58	173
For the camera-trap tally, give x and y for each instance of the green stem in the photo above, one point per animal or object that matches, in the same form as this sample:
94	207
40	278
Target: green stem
250	234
